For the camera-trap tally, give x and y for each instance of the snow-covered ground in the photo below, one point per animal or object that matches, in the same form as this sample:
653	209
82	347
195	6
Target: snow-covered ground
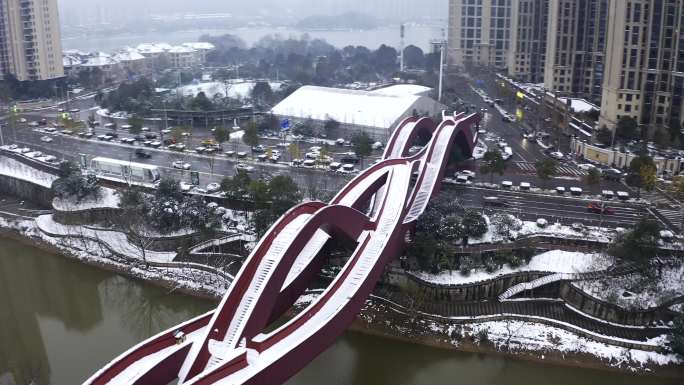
236	90
555	261
535	337
635	292
528	228
108	198
19	170
114	239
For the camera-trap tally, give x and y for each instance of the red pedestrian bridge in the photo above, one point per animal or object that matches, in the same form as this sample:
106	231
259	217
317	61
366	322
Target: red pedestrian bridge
236	343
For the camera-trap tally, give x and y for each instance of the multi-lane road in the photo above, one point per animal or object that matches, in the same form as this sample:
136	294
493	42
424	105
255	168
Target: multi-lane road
566	210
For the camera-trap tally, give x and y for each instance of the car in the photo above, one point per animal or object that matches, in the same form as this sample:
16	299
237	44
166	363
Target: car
612	174
181	165
557	155
49	158
101	137
88	135
262	157
50	130
586	166
339	142
33	124
309	163
67	132
23	120
74	110
213	187
186	187
349	158
166	132
24	150
200	150
150	136
108	138
599	208
145	129
230	154
142	154
35	154
156	144
241	155
147	143
241	167
467	173
495	202
46	139
258	149
376	145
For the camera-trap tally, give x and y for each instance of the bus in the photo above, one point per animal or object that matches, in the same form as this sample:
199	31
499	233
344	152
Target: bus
124	170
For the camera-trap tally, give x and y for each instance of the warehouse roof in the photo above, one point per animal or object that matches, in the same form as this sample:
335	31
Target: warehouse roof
348	106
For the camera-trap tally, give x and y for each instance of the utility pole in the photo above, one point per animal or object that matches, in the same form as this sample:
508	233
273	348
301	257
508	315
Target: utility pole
402	32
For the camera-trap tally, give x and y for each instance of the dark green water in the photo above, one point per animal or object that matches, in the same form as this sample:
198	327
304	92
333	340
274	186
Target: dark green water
60	321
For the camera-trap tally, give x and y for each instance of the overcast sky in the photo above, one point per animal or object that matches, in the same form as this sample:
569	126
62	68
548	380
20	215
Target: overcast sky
395	9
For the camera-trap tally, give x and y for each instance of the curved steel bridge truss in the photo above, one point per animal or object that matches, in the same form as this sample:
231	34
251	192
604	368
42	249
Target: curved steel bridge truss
229	345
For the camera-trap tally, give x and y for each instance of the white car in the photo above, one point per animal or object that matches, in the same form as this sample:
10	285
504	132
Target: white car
185	187
46	139
35	154
377	146
586	166
49	158
213	187
557	155
181	165
466	173
243	167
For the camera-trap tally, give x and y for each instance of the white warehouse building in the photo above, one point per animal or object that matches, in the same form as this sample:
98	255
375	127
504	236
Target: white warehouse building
376	113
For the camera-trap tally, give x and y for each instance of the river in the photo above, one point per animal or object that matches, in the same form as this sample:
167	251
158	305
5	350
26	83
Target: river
60	321
416	35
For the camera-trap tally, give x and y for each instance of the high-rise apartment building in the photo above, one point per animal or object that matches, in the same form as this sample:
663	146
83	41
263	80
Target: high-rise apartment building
644	62
575	48
30	41
527	51
479	32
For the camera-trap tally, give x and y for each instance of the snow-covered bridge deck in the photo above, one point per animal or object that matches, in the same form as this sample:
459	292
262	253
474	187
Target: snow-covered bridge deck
228	346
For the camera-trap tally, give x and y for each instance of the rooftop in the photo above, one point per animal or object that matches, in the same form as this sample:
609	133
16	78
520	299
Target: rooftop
403	90
346	106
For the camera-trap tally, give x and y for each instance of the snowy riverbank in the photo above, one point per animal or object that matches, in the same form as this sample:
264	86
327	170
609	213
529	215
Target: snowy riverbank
530	340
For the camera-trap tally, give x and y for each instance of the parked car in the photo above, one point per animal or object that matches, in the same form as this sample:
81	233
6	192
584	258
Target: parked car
557	155
466	173
213	187
258	149
46	139
181	165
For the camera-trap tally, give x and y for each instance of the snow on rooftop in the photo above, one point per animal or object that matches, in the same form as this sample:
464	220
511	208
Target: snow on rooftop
14	168
346	106
200	46
100	60
181	49
153	47
71	61
580	105
128	55
403	90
